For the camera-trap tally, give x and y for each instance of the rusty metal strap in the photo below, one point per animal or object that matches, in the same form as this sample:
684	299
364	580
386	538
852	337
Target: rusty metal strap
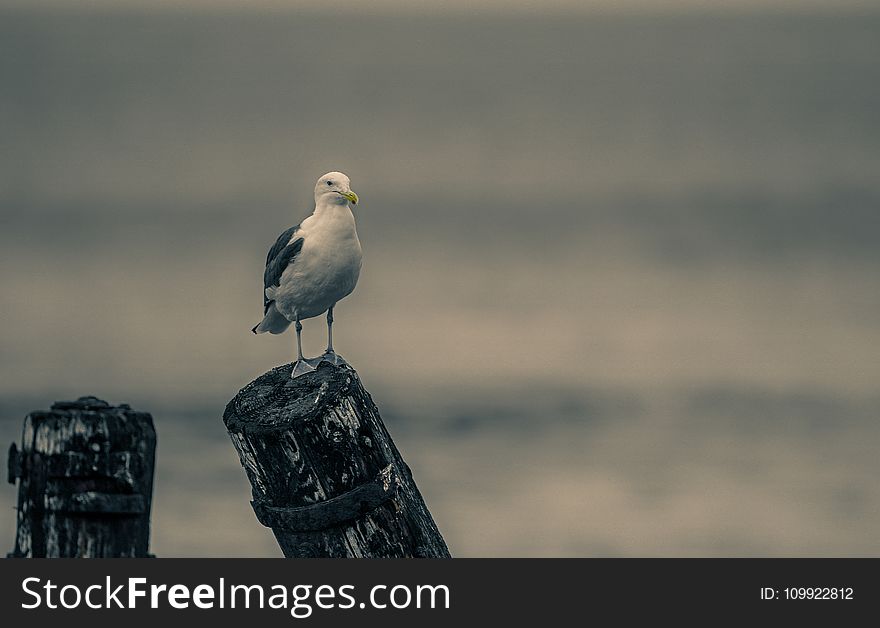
123	466
98	503
331	512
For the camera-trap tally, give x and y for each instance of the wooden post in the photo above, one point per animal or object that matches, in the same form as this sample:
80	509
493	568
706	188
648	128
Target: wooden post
86	481
325	474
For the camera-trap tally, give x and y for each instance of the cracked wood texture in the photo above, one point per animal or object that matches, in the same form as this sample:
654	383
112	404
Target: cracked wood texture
325	474
85	474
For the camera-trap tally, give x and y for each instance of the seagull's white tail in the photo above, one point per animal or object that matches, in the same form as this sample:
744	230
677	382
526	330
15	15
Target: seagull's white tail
274	322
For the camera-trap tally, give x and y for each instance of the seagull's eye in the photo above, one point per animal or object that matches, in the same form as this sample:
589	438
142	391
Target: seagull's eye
329	182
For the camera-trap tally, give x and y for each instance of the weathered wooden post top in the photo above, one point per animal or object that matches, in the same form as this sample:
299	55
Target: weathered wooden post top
325	474
86	481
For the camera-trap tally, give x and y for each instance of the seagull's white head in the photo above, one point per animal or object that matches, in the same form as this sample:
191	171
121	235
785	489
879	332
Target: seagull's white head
334	188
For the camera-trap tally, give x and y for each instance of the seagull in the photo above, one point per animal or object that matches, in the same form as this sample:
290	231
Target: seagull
311	267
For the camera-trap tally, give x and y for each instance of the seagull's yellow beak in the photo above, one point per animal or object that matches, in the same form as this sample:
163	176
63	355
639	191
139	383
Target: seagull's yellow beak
351	196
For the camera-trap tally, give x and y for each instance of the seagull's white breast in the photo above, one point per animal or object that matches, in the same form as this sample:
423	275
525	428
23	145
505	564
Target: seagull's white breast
326	270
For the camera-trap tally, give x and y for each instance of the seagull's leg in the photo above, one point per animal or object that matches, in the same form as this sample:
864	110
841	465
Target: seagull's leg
330	355
301	366
330	329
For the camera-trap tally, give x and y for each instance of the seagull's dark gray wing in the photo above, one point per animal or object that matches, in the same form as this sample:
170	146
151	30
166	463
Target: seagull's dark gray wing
280	256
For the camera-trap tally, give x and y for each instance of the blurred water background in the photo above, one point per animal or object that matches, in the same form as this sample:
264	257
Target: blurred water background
620	293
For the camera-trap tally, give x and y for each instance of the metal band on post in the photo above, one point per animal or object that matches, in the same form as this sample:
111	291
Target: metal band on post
331	512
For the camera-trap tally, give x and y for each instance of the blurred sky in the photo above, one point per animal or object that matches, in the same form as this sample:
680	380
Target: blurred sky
457	6
620	284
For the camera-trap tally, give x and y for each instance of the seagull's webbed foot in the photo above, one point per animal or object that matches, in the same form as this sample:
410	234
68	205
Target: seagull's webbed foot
301	367
332	358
